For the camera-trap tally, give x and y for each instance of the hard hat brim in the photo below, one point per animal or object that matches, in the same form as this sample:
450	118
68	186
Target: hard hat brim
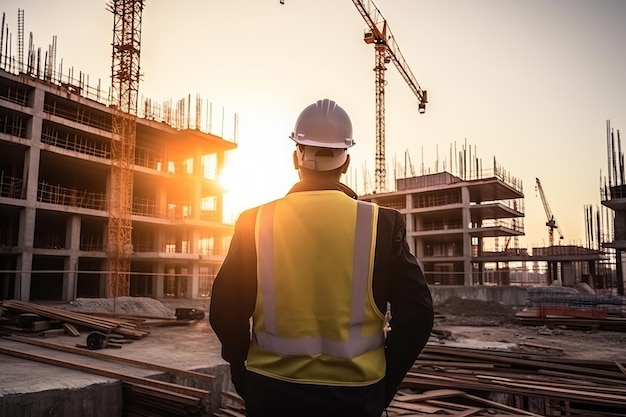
301	140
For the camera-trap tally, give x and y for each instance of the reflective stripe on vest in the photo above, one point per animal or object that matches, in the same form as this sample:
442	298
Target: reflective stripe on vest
357	344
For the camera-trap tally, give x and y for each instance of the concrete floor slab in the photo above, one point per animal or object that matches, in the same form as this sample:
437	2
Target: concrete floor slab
29	388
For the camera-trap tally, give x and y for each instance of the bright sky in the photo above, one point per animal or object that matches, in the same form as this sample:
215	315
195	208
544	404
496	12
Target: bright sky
531	82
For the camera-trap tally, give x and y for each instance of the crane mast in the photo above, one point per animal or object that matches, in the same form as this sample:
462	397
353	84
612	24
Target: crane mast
386	50
124	86
551	223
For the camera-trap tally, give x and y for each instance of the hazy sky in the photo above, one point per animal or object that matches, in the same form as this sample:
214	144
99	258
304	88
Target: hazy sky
529	82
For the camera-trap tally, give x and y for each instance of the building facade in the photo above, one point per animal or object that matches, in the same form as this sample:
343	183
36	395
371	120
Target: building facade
458	228
54	193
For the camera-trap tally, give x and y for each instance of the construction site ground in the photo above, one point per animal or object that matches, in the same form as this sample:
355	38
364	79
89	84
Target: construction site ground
490	325
29	388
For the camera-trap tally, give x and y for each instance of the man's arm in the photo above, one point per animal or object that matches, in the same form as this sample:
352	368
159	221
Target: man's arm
411	311
233	297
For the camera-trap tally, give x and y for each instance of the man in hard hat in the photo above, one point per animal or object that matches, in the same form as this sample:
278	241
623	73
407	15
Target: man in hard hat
316	272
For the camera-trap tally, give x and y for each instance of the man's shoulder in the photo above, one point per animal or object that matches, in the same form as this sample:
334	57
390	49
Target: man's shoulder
390	215
386	210
249	214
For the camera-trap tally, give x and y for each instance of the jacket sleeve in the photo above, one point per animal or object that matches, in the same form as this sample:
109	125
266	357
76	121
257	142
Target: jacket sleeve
411	309
233	297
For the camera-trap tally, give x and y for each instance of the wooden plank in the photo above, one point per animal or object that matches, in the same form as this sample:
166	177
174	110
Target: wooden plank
423	408
458	410
53	332
71	330
538	346
533	364
106	373
164	394
563	392
500	406
429	395
103	356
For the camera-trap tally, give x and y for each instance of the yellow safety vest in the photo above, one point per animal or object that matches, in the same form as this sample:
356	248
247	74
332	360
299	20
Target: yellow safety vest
315	319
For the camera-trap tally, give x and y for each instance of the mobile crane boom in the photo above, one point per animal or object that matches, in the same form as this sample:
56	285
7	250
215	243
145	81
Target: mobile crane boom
386	50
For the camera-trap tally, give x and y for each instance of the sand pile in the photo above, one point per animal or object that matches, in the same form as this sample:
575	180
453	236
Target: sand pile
132	306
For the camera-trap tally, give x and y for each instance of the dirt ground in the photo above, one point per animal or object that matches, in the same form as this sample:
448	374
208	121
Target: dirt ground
490	325
458	322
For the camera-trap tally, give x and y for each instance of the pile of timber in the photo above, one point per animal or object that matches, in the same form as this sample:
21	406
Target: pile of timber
541	383
455	381
124	328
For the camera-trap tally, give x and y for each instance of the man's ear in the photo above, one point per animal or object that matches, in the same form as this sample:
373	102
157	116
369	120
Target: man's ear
344	167
296	166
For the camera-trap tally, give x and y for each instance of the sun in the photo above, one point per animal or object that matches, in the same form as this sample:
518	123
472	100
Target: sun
250	178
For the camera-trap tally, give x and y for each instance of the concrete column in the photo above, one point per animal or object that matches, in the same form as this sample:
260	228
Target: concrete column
69	278
27	215
197	176
24	265
159	281
159	240
568	274
408	219
161	200
102	288
219	204
619	272
194	237
193	281
22	281
467	240
72	242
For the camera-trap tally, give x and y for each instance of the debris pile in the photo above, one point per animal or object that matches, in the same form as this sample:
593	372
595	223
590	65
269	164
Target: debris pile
475	312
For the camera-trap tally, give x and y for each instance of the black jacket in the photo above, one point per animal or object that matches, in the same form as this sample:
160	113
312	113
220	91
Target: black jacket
398	280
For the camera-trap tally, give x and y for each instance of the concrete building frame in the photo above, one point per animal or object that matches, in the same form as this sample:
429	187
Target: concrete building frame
54	187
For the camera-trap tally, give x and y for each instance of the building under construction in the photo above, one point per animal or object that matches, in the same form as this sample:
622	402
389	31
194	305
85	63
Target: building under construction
56	155
464	228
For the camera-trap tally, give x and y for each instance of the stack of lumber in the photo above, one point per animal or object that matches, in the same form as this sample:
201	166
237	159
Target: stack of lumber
125	328
558	386
455	381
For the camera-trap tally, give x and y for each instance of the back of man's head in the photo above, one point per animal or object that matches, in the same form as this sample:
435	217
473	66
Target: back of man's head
323	133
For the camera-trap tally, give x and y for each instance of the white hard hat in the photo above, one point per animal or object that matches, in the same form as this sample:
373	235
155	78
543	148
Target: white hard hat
324	130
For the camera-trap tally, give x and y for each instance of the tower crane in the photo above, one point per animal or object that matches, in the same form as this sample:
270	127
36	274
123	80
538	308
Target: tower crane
125	75
386	50
551	223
